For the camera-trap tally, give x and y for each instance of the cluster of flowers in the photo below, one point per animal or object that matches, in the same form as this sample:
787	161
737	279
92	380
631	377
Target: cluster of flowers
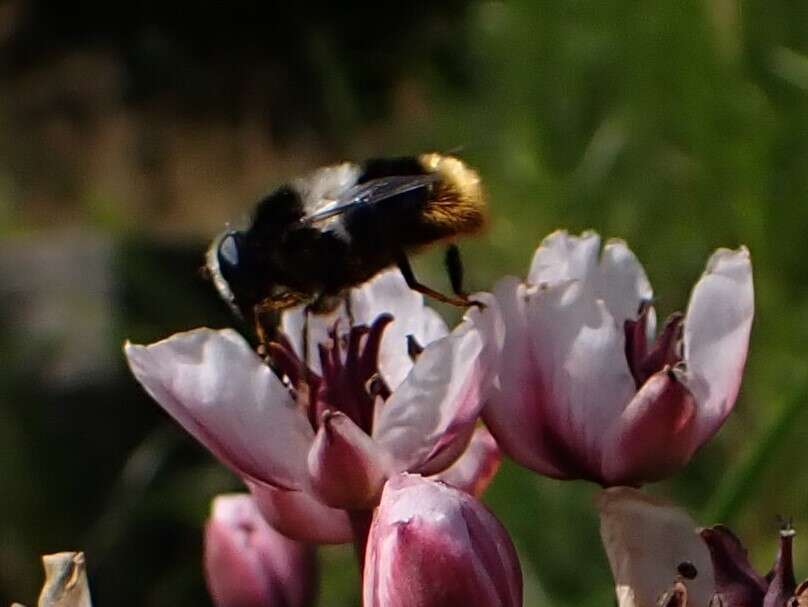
382	427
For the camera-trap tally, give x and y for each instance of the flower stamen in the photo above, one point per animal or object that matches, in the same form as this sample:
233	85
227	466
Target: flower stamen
666	350
350	380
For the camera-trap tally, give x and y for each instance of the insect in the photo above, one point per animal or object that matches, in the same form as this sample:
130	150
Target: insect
314	238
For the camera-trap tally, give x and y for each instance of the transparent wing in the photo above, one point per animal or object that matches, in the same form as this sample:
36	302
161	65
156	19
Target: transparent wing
371	192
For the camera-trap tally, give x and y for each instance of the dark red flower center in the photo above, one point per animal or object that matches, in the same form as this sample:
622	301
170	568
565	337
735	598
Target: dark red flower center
349	381
738	584
644	360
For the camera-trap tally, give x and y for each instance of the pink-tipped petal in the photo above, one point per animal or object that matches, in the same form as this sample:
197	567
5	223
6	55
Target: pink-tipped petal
716	336
581	374
438	402
646	540
446	452
300	516
475	469
518	395
456	439
433	545
654	435
347	469
249	564
221	392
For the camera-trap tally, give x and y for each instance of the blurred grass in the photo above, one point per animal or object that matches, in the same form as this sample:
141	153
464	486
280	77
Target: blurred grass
678	126
739	488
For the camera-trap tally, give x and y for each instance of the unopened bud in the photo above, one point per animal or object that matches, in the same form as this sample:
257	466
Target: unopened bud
433	545
249	564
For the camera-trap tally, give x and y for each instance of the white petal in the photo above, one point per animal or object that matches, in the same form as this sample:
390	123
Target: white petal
561	257
440	398
218	389
615	276
623	283
580	366
388	293
716	336
293	324
646	539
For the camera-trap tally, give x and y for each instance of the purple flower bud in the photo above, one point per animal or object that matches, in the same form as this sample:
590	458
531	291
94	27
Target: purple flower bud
346	467
249	564
431	544
739	585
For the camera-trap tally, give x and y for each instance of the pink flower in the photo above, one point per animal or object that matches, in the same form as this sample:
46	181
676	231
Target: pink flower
585	389
431	544
249	564
314	442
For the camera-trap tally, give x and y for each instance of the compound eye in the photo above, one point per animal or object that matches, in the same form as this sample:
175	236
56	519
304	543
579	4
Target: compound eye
228	252
229	262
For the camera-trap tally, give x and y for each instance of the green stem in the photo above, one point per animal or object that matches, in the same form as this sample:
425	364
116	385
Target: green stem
360	522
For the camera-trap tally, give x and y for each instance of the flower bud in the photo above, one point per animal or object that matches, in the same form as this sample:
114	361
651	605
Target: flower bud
249	564
431	544
347	469
737	582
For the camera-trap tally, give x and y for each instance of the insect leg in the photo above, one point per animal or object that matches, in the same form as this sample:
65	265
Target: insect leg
454	267
412	282
266	324
348	308
305	337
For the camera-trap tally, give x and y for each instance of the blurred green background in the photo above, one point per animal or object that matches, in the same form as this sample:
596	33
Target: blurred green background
131	132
